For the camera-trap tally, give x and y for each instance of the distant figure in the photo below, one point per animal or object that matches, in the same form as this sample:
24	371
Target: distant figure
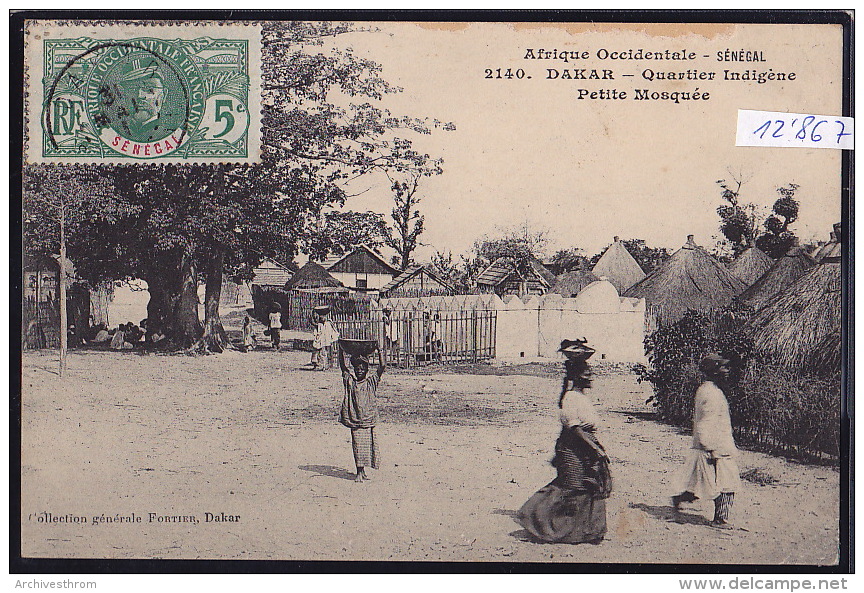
248	336
322	342
711	471
118	342
572	508
133	333
101	334
432	330
275	325
391	332
359	411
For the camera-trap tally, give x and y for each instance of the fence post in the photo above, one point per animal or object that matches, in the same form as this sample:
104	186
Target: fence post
474	335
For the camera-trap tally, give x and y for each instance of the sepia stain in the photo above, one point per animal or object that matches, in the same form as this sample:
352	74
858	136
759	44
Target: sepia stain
450	27
628	523
706	30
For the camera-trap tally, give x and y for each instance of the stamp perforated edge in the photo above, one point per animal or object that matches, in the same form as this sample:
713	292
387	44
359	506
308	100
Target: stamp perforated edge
36	30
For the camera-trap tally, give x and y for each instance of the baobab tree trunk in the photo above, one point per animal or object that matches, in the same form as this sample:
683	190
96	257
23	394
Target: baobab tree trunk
214	338
173	306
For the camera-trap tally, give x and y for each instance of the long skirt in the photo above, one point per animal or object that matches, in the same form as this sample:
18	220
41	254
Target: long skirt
560	515
365	447
708	480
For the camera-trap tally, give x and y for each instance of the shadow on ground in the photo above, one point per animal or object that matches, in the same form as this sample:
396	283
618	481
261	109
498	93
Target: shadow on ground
328	471
668	513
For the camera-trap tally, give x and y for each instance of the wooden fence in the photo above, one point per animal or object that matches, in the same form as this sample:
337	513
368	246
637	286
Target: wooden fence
297	305
41	324
411	338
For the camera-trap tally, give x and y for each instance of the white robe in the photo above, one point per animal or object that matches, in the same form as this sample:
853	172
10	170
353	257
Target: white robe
710	467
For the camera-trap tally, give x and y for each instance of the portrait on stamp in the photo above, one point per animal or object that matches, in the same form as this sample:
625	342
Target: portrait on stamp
179	95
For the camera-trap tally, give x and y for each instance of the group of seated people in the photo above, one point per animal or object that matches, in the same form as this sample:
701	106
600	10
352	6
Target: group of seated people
125	337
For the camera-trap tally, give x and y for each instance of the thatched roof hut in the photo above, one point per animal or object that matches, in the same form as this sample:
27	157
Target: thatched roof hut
832	248
312	276
801	323
690	279
618	266
751	264
781	276
570	284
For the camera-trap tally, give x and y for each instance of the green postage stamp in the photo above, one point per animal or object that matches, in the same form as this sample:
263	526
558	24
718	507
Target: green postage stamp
117	93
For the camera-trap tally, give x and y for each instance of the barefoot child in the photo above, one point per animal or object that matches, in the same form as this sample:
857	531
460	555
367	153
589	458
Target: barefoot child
359	411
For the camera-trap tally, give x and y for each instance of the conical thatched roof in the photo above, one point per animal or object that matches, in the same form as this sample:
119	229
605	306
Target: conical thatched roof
312	275
570	284
801	323
619	267
801	328
690	279
781	276
751	264
833	248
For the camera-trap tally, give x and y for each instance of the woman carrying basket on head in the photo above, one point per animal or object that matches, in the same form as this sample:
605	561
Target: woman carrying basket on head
572	508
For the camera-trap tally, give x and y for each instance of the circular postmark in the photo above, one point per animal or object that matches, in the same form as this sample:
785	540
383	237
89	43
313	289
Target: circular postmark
141	98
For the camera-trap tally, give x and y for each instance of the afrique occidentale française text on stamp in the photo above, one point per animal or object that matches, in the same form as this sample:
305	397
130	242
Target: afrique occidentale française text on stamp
127	93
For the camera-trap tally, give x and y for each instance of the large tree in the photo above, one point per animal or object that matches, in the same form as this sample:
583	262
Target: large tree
58	203
404	237
778	238
740	220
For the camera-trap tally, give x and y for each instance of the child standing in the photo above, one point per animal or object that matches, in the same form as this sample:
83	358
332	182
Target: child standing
359	411
275	325
248	337
322	343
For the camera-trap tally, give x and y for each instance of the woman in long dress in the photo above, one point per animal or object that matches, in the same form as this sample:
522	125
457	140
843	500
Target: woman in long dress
711	472
572	508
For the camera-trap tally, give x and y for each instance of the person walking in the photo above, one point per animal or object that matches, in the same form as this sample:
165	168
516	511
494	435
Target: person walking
711	471
359	410
275	325
572	508
323	338
247	335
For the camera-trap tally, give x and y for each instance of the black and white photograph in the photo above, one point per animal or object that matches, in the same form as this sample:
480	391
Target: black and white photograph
387	288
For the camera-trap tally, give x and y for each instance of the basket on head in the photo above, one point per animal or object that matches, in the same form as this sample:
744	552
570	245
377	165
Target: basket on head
576	349
322	309
358	347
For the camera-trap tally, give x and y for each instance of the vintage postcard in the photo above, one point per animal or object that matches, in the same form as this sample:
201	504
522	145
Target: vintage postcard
380	290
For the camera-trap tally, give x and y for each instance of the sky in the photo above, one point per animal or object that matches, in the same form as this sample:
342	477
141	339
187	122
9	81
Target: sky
531	152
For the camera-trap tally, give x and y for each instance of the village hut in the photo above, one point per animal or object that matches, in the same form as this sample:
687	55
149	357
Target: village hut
271	273
690	279
417	281
831	248
618	266
750	265
800	329
778	278
570	284
313	278
505	277
362	269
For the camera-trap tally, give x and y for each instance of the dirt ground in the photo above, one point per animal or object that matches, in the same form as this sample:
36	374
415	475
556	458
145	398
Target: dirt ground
255	436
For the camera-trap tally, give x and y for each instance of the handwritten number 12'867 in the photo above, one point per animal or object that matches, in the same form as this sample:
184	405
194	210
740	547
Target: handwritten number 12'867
807	128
